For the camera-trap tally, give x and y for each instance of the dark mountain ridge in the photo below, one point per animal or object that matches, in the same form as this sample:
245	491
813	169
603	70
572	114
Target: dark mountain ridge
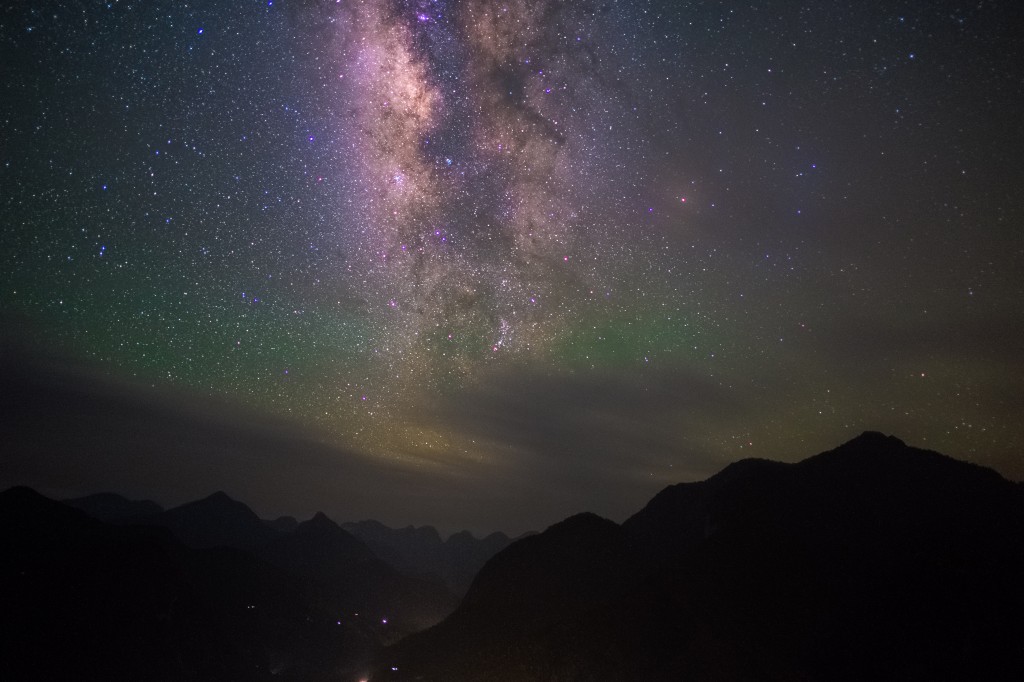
874	560
871	561
88	600
355	583
84	599
214	521
420	550
113	508
220	521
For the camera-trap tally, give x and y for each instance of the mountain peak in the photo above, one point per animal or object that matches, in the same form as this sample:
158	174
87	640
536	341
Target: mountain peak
216	520
869	454
875	439
220	504
324	539
765	570
322	519
22	492
321	524
583	521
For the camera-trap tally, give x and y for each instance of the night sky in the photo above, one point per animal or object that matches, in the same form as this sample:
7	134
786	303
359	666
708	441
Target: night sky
487	264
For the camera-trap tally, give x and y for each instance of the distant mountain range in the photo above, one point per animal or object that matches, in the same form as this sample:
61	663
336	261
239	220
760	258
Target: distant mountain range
420	550
219	521
113	508
873	561
102	587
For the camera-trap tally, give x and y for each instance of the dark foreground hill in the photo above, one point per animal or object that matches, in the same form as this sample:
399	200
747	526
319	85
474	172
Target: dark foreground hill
871	561
83	599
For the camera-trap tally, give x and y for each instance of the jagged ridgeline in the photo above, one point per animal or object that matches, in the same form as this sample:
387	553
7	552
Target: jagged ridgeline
102	587
871	561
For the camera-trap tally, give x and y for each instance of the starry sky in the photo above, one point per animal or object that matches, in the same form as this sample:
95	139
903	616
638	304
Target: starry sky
486	264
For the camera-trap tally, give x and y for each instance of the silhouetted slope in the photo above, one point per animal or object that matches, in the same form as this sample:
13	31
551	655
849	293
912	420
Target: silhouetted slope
88	601
113	508
409	549
352	580
214	521
282	524
420	550
532	610
870	561
464	556
85	600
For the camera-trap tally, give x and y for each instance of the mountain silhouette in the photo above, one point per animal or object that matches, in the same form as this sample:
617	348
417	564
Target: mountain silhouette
871	561
214	521
83	599
420	550
874	560
408	549
86	600
282	524
356	584
464	556
113	508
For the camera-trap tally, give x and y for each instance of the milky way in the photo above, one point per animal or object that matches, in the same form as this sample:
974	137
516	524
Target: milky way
481	137
531	256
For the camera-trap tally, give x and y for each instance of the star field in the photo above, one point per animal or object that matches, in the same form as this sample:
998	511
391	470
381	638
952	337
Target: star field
584	249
